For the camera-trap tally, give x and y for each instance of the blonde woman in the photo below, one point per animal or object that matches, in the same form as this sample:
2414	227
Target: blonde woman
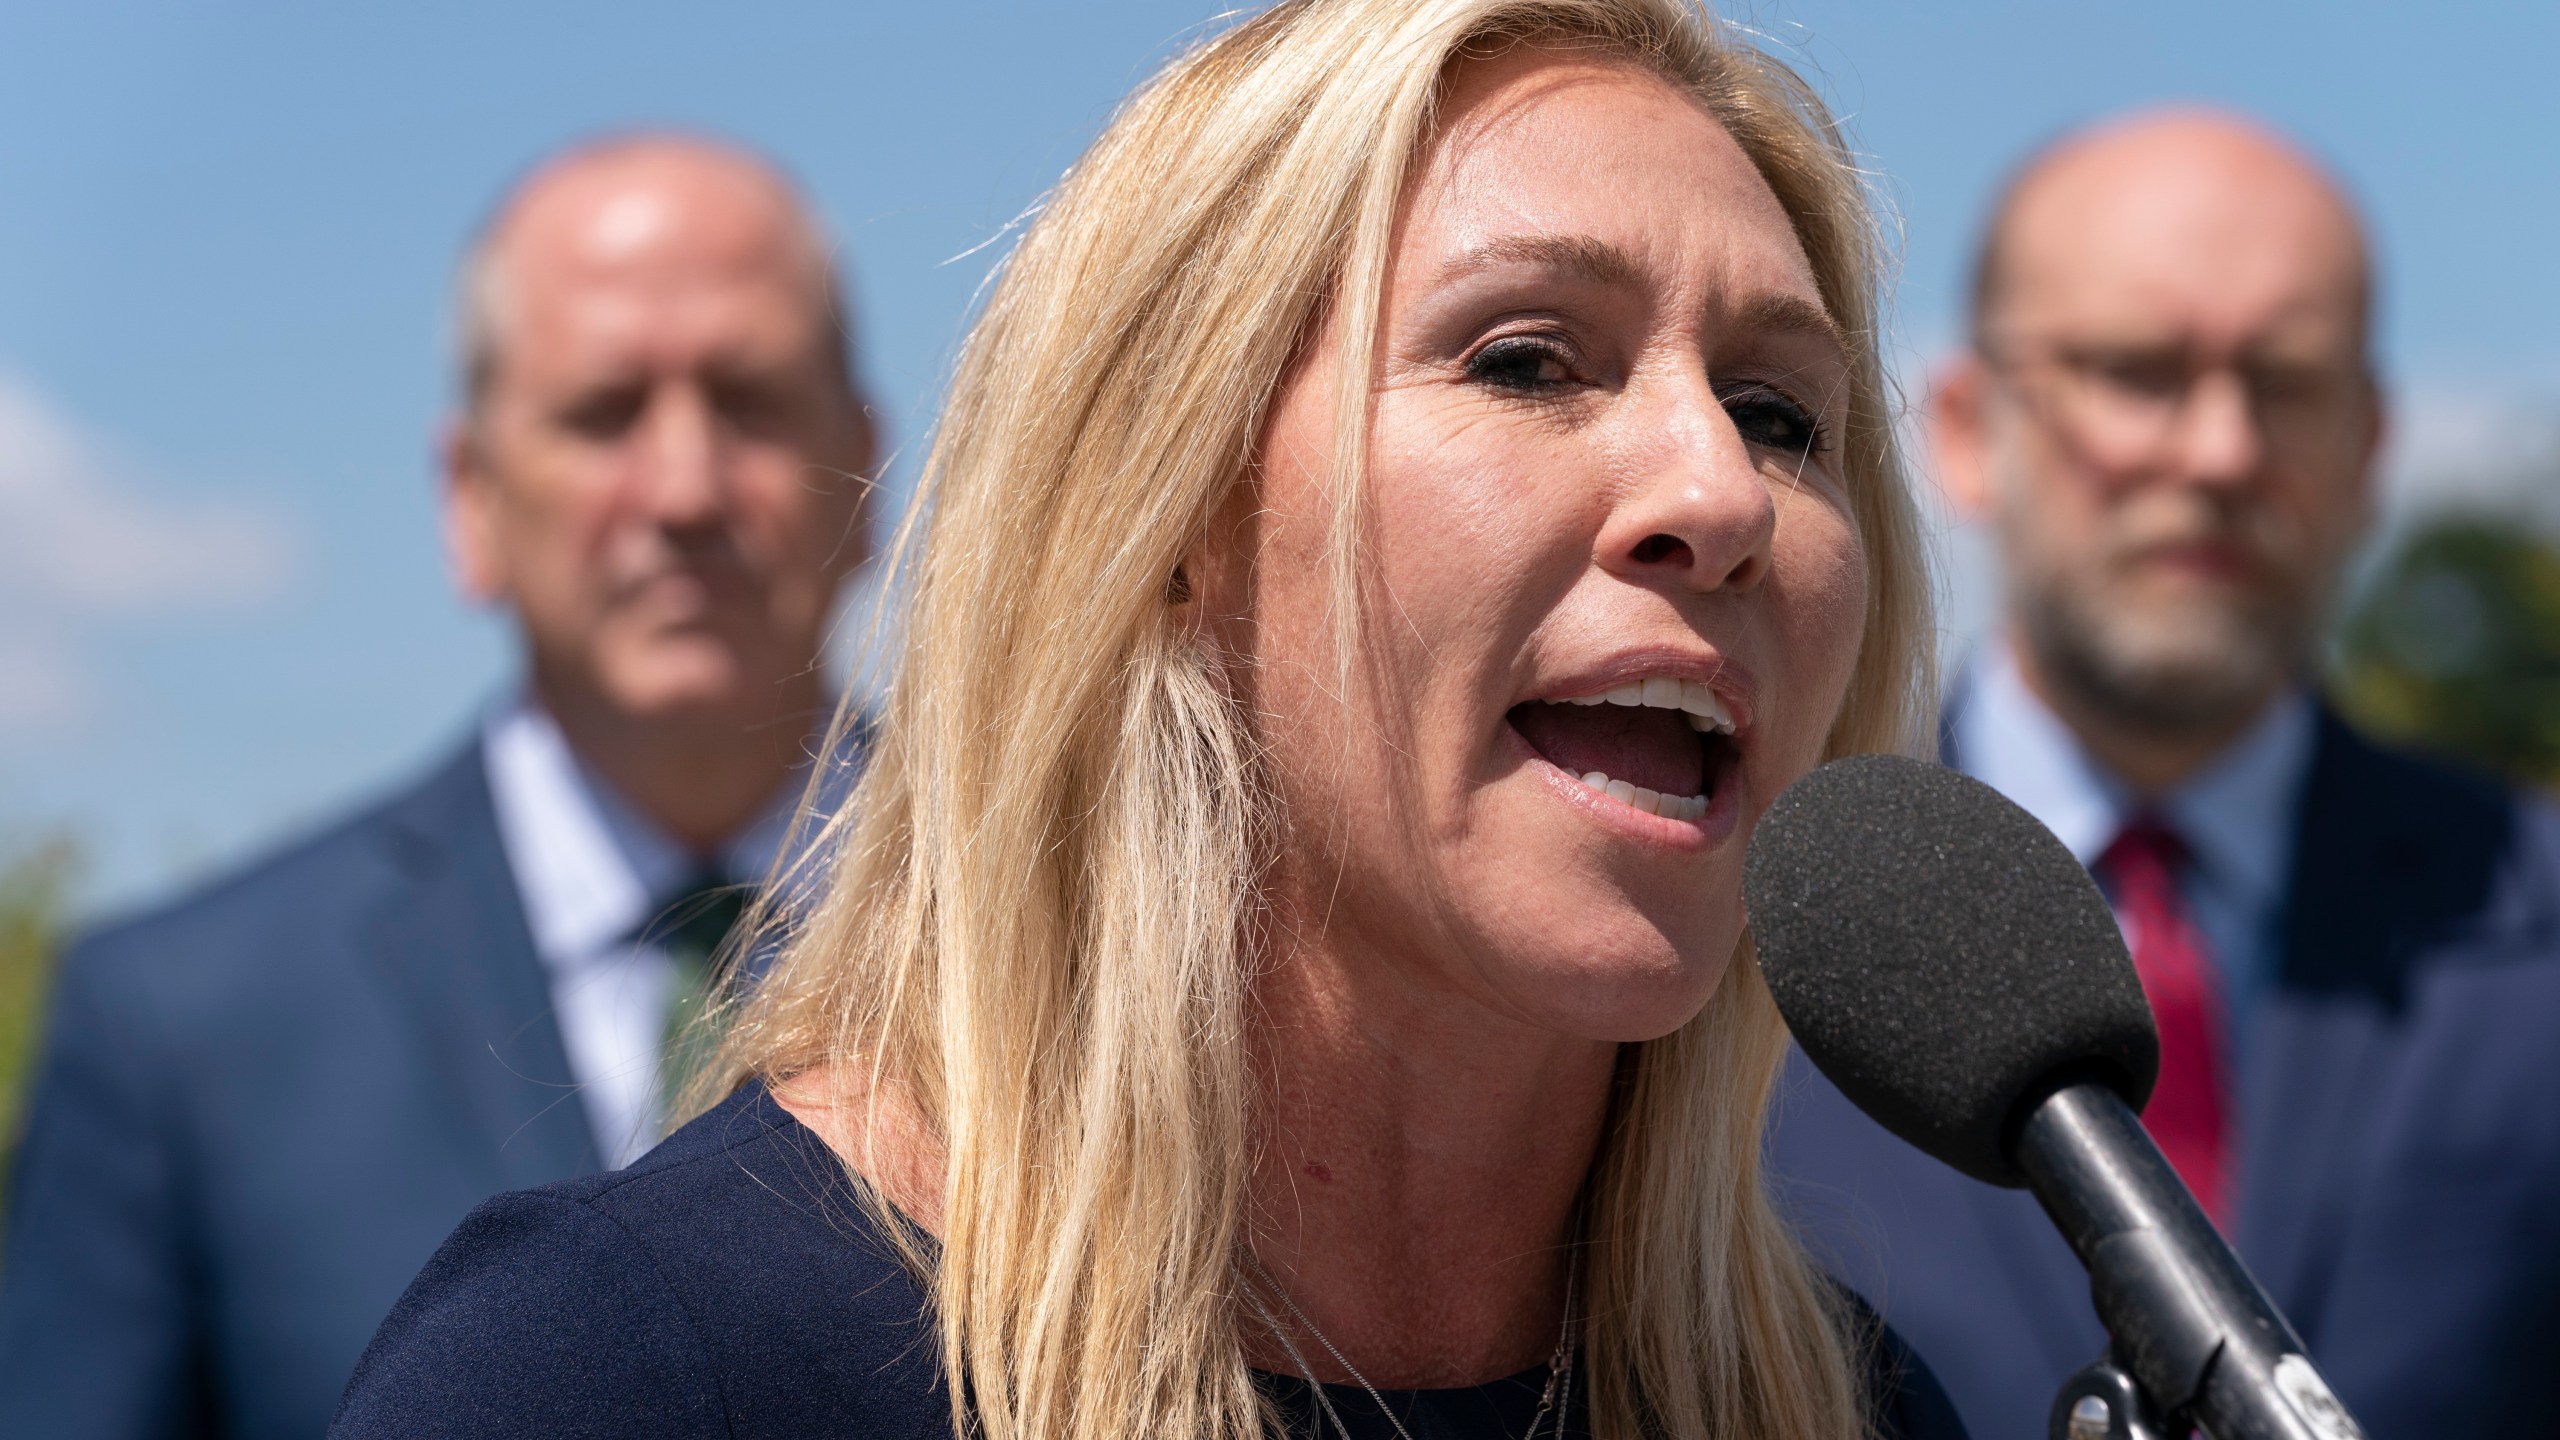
1421	488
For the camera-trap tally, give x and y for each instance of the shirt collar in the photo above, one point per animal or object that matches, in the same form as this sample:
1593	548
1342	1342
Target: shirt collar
588	865
2236	815
2012	743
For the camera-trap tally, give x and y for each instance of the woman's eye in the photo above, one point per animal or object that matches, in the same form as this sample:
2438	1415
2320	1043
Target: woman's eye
1521	366
1765	417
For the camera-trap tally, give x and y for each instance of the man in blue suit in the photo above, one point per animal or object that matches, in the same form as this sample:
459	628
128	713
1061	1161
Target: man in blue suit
2168	419
261	1109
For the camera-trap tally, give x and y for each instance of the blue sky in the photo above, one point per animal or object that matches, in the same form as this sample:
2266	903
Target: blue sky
226	235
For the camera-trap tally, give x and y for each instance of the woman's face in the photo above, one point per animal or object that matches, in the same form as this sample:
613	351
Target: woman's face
1616	586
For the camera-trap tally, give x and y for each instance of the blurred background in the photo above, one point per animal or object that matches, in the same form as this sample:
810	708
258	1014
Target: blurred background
227	237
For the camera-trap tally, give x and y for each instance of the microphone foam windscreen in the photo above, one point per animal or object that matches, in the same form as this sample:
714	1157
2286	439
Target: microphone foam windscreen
1940	955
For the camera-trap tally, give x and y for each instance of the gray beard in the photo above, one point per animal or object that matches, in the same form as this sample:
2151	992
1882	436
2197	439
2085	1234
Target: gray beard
2199	672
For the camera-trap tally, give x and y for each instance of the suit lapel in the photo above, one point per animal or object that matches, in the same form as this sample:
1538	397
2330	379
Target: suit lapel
455	950
2387	861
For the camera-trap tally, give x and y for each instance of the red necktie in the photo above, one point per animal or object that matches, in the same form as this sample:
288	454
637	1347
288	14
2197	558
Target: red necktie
2189	1114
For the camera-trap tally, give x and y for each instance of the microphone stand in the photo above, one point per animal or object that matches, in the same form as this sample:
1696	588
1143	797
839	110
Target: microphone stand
2194	1341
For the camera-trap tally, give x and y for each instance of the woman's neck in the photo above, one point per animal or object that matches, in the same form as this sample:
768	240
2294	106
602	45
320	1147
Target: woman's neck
876	1131
1414	1190
1422	1157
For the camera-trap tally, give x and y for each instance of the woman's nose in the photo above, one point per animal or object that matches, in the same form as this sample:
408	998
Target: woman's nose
1698	513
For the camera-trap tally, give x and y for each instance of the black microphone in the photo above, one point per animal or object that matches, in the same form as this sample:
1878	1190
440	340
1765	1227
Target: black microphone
1952	969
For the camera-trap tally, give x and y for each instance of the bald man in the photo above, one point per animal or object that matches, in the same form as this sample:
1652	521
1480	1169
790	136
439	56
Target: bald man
2168	419
262	1108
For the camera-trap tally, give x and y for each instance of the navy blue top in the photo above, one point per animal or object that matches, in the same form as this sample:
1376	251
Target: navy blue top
728	1284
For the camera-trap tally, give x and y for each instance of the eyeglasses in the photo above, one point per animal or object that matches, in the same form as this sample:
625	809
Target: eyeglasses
2125	405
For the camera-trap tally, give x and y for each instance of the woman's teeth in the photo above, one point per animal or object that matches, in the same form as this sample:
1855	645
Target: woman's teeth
1651	802
1661	692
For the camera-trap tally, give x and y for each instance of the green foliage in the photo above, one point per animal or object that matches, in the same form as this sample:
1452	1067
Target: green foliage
35	884
2456	647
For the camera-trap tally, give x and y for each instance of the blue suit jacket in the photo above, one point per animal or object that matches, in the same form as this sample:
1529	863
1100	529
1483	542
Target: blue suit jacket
2399	1130
258	1114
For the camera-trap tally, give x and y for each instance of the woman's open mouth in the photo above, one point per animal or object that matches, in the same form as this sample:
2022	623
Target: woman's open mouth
1661	745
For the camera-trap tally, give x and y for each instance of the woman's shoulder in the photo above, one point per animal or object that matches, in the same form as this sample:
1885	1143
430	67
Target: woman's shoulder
728	1283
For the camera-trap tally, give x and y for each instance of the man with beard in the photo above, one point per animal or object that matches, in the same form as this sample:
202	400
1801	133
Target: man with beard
262	1108
2168	417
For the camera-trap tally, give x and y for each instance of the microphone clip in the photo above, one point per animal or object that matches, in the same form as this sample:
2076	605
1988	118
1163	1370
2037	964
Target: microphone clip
2101	1402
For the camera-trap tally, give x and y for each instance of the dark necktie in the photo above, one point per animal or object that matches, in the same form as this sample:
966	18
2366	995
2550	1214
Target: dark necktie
2190	1110
690	930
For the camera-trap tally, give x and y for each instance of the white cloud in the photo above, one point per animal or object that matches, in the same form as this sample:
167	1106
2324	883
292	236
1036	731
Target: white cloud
75	532
2456	446
86	544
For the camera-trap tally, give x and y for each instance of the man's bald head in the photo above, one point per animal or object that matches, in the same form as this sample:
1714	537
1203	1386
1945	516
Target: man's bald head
2169	182
615	200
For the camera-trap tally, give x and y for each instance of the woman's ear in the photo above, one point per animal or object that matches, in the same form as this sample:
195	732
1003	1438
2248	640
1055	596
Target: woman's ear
1191	593
1213	573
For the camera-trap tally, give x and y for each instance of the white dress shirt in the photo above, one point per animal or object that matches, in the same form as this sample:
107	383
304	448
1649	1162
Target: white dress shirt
2237	815
590	870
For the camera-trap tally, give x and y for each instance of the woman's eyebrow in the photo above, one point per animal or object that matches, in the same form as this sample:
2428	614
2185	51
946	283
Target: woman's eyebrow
1584	257
1790	314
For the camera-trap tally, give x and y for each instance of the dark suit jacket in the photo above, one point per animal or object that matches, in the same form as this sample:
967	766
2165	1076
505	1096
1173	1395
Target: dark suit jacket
260	1111
2399	1130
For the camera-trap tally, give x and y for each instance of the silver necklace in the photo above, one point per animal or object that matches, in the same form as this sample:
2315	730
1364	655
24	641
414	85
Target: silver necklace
1552	1401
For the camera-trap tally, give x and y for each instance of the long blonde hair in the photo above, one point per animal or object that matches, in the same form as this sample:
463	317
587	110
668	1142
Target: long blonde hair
1035	926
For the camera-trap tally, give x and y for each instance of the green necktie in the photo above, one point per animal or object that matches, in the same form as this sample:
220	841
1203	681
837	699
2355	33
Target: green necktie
690	932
